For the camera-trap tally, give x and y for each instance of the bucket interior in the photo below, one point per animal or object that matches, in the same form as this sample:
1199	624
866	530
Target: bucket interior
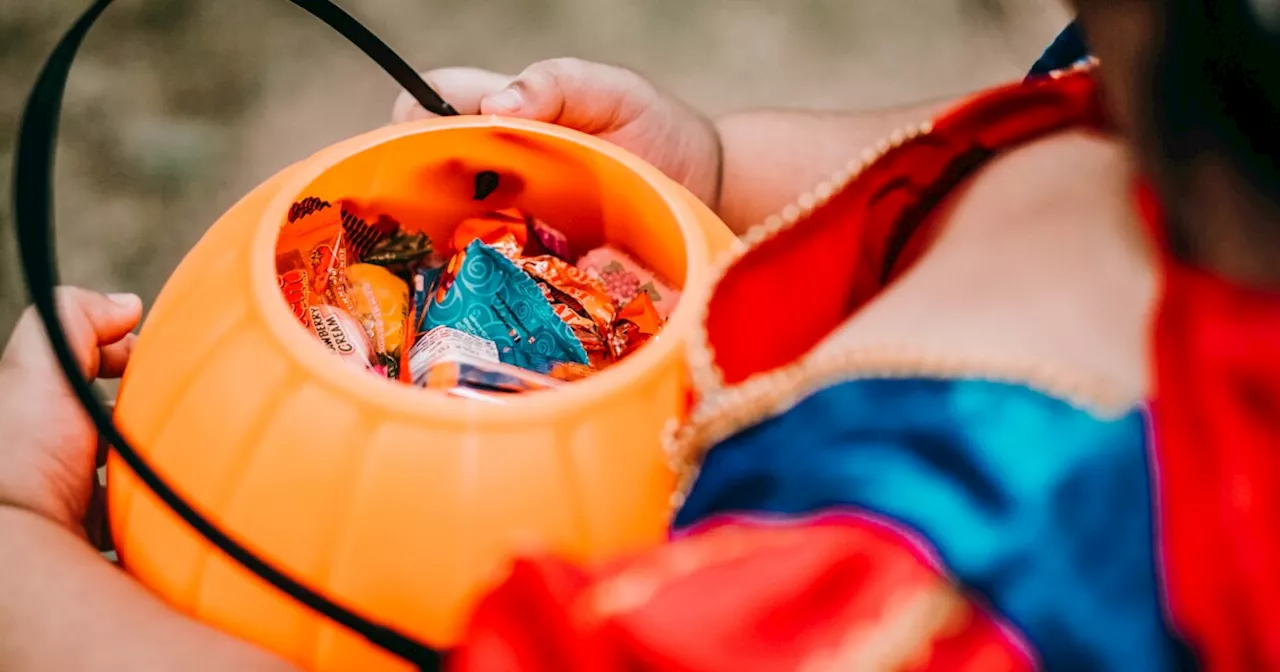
426	182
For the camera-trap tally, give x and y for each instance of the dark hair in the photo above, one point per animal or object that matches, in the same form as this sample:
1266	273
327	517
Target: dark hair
1217	89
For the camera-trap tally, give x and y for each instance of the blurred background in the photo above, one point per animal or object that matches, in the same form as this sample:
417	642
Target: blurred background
177	108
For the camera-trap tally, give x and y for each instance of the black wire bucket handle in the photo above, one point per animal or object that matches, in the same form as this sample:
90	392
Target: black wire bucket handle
33	219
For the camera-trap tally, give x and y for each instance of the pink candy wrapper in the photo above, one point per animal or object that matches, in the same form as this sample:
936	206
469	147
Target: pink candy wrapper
624	278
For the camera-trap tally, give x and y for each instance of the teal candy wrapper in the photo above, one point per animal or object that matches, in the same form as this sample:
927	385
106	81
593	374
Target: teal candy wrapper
489	297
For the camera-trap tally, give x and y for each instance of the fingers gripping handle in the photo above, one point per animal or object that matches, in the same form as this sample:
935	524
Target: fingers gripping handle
33	218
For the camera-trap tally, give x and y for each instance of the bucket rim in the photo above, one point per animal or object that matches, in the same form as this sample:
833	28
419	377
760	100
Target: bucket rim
612	383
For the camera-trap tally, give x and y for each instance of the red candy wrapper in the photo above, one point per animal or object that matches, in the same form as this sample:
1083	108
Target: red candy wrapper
624	278
294	275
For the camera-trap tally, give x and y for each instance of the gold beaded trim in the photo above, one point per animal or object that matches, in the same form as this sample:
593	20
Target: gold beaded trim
726	412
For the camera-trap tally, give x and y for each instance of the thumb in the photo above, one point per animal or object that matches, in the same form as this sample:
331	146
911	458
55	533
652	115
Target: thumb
90	321
95	320
461	87
589	97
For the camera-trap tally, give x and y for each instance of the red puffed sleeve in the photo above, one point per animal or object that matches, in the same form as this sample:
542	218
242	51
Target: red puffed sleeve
846	593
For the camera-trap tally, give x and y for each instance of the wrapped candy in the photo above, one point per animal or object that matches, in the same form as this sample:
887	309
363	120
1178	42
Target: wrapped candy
637	322
313	241
505	231
382	305
424	284
400	252
514	233
510	312
362	237
484	294
342	334
447	359
312	266
294	275
624	278
577	299
581	302
545	239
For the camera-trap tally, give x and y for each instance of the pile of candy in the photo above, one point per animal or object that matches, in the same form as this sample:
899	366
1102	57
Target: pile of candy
509	309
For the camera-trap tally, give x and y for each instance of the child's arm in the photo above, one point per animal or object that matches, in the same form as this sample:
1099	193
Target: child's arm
62	606
769	158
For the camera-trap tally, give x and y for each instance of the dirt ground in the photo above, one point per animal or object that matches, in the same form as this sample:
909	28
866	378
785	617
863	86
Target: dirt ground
179	107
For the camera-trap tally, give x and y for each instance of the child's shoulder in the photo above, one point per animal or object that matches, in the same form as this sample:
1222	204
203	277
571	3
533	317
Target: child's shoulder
954	339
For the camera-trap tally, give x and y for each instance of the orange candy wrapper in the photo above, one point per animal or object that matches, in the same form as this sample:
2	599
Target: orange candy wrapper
506	231
313	241
636	324
513	232
578	300
311	263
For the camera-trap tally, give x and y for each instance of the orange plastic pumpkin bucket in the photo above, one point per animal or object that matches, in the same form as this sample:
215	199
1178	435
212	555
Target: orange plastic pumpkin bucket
404	503
399	505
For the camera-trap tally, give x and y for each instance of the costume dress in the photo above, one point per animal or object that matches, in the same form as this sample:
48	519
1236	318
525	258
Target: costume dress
848	508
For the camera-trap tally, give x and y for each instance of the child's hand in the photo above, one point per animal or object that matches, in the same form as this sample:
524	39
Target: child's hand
615	104
47	443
